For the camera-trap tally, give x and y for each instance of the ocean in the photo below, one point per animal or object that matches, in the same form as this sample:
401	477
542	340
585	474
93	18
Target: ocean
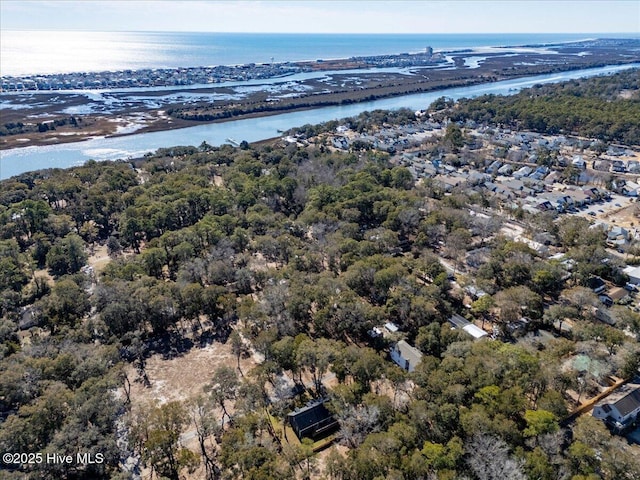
24	53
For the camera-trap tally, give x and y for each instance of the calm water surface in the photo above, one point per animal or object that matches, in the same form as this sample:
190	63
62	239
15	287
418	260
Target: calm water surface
42	52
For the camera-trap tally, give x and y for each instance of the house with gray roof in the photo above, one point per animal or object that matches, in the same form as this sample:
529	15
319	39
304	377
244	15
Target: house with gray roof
461	323
579	162
495	165
405	356
505	169
523	172
621	408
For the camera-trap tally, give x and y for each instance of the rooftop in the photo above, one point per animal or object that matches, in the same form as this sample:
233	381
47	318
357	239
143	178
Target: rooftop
313	421
409	353
626	399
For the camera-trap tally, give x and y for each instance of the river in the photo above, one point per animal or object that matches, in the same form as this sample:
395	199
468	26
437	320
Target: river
19	160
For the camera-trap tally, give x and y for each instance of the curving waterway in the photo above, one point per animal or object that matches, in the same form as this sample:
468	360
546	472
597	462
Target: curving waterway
20	160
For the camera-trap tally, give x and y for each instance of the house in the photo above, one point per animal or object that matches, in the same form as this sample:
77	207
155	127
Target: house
596	284
559	201
514	185
391	327
523	172
492	187
606	300
519	327
429	169
604	316
602	165
495	165
540	173
630	189
340	142
30	317
633	166
313	421
460	322
448	183
593	193
620	409
618	166
579	162
405	356
618	233
634	274
618	293
542	204
505	169
475	292
579	197
477	178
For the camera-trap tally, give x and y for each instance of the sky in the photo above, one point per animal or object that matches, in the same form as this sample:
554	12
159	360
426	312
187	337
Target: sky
329	16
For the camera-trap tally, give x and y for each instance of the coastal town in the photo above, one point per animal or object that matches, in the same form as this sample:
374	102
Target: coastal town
176	77
169	77
511	169
442	264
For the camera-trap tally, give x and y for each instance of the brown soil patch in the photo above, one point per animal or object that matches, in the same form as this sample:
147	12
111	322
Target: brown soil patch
183	377
99	258
626	216
180	379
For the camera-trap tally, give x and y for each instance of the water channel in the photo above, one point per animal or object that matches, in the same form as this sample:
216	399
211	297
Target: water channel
19	160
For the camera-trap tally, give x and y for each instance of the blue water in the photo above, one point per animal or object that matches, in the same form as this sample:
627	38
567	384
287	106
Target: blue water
41	52
19	160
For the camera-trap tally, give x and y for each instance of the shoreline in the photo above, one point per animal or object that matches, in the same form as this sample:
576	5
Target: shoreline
19	160
50	118
185	124
435	57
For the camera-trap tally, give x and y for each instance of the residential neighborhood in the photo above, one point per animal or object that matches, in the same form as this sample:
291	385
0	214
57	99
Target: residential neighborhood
519	176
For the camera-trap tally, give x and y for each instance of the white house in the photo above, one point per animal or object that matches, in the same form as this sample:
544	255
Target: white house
634	274
406	356
620	408
391	327
631	189
523	172
579	162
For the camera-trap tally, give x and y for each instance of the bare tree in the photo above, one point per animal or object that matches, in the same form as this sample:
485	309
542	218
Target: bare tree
358	422
489	458
206	427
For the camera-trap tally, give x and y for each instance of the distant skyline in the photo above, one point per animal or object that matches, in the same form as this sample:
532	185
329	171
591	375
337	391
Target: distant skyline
453	16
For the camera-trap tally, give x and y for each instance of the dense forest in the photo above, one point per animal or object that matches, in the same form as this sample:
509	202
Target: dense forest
294	254
601	107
